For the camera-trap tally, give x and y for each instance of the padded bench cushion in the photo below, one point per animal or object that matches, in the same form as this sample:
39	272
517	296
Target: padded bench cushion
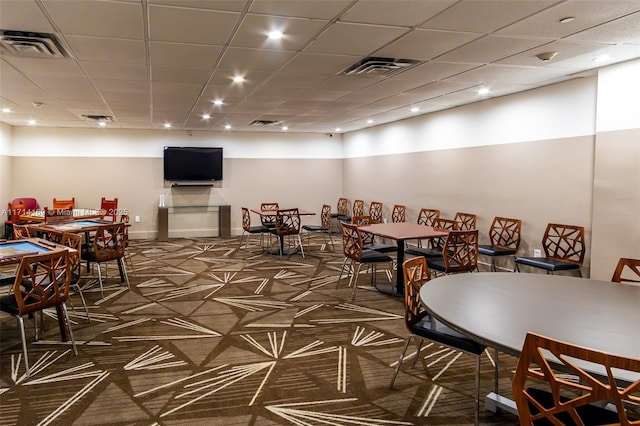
547	263
490	250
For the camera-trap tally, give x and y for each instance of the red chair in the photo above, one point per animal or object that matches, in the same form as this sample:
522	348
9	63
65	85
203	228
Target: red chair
23	205
109	208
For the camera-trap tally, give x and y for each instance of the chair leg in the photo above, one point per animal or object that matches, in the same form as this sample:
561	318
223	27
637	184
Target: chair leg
355	281
77	288
415	360
100	281
404	350
24	343
127	257
66	315
301	246
344	262
477	402
121	263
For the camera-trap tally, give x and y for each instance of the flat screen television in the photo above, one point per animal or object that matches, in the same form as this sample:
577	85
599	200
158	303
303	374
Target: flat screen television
184	163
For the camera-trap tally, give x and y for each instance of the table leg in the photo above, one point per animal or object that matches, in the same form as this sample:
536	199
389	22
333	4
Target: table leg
399	270
62	324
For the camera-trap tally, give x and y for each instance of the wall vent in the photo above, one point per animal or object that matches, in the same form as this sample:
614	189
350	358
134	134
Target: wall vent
379	66
265	123
95	117
30	44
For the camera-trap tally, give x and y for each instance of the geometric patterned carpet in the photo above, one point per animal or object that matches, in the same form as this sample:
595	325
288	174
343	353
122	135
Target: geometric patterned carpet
215	335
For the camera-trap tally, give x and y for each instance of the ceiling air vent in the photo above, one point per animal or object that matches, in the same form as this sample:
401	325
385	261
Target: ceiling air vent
379	66
30	44
95	117
265	123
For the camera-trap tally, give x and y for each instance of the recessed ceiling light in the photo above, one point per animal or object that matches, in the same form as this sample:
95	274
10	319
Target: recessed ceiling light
415	109
32	122
6	109
227	126
167	125
102	123
603	58
217	102
238	79
206	116
275	35
567	19
338	129
369	121
483	91
285	128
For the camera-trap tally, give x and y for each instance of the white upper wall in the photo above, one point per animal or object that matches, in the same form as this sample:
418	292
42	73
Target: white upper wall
551	112
5	139
54	142
619	97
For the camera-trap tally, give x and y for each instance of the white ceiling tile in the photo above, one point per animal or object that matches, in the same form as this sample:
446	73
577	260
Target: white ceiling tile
354	39
183	55
254	29
490	48
318	9
425	44
404	13
107	49
244	59
175	24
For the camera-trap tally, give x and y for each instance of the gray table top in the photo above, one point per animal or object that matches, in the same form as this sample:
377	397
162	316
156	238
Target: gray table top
499	308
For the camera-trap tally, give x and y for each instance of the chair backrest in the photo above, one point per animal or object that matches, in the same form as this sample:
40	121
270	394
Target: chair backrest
325	217
399	213
30	204
287	222
109	208
442	223
343	206
416	273
505	232
246	219
351	241
428	217
460	251
124	218
109	242
363	220
627	271
57	215
564	242
268	220
64	204
42	280
20	232
358	208
375	212
73	241
537	369
467	221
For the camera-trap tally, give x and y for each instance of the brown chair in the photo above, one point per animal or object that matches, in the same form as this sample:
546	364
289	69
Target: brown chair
269	221
324	228
627	271
435	244
466	221
459	253
109	209
74	241
342	213
21	232
505	239
369	239
560	383
249	230
109	244
399	213
427	217
358	208
287	225
564	249
58	215
423	327
64	204
124	218
42	281
354	253
375	212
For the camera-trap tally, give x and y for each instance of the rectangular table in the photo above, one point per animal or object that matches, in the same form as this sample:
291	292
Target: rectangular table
77	214
12	252
400	232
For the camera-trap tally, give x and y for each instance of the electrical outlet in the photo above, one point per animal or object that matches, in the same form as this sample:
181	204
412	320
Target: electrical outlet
537	253
138	220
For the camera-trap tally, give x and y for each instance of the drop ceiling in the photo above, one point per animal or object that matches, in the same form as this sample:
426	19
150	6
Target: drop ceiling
146	63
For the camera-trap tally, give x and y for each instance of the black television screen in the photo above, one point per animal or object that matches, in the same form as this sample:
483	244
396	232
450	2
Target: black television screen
192	163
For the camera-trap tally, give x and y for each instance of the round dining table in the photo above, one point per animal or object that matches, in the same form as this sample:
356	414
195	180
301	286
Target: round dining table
499	308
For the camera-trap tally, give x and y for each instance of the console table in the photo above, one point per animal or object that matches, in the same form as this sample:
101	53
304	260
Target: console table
224	219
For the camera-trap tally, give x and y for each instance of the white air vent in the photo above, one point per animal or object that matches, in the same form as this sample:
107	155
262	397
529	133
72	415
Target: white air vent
379	66
265	123
31	45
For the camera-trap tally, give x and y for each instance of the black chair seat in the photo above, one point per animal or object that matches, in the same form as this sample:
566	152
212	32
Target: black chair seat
437	263
9	304
424	251
590	414
446	336
374	256
490	250
314	228
259	229
547	263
